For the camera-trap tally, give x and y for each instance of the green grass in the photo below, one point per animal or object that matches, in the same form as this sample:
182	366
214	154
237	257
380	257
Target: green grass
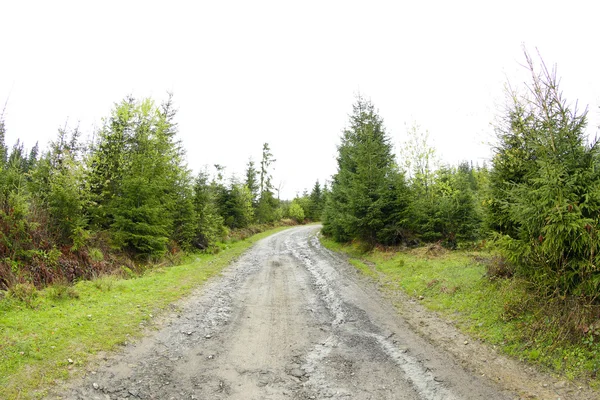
57	331
500	312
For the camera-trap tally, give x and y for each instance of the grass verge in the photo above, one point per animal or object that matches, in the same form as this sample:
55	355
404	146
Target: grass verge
501	312
48	335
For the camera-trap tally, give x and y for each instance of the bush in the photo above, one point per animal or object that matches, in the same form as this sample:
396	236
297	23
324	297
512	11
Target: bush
296	212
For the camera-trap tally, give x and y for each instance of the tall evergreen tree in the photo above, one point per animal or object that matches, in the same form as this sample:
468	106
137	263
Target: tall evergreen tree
135	169
267	203
209	223
367	192
252	182
316	203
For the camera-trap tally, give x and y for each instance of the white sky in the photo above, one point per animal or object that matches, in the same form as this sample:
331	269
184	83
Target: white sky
248	72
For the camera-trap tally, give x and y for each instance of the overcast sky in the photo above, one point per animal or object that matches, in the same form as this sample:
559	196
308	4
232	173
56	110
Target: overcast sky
248	72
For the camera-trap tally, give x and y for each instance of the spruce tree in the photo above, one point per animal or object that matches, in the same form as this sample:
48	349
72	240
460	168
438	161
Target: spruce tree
267	203
136	177
367	192
209	223
546	190
252	182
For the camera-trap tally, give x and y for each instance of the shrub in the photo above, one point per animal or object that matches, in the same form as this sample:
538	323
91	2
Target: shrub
296	212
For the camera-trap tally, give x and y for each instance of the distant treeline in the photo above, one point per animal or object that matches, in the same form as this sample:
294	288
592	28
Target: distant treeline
80	210
538	203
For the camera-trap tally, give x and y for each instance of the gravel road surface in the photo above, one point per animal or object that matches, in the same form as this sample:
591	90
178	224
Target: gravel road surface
288	320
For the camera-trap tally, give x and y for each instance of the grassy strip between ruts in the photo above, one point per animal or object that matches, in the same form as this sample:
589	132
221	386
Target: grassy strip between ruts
49	339
453	283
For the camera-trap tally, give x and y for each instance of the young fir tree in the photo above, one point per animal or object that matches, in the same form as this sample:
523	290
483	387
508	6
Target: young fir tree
367	196
267	203
252	182
316	203
209	223
134	170
65	193
180	195
546	190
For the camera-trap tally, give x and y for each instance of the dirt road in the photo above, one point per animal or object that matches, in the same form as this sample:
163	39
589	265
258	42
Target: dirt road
288	320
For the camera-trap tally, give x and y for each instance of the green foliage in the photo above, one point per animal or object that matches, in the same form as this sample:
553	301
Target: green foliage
209	223
368	193
296	211
447	210
62	291
236	208
267	207
3	148
316	203
65	193
109	312
562	335
546	191
138	180
25	293
252	182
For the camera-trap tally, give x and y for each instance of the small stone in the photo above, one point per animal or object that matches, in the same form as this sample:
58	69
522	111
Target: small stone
207	336
189	333
297	372
70	361
466	342
211	357
95	386
421	297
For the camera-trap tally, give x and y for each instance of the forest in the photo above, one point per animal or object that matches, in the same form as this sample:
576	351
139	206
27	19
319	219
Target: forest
530	219
126	201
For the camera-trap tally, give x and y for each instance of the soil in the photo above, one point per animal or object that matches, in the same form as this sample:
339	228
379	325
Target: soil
292	320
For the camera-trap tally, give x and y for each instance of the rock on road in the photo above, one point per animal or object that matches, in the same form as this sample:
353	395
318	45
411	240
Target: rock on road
288	320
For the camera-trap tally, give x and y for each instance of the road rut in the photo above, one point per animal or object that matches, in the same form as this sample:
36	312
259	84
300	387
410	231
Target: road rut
288	320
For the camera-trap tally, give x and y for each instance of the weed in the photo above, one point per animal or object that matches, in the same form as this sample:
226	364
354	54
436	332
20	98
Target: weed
61	291
96	254
25	293
498	268
127	272
105	283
